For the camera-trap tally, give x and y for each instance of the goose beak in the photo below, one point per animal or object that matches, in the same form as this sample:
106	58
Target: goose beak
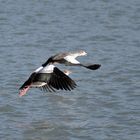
83	53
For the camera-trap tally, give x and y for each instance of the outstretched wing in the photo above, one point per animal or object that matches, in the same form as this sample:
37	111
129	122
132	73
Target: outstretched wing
59	80
47	88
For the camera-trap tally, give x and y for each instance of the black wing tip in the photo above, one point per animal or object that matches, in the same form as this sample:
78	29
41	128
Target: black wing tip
94	67
61	81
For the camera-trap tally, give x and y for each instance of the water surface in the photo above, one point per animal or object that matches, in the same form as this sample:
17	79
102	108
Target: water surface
105	105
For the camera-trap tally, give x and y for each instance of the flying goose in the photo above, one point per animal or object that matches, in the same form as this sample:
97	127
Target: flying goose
49	78
70	59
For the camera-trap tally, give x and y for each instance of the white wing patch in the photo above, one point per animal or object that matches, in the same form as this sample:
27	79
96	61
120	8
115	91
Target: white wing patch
71	59
38	69
47	69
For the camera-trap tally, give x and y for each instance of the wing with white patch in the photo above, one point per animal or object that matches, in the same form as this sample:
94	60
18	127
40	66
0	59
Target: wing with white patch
71	59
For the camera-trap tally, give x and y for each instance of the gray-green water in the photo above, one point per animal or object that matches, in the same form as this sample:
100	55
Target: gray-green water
106	103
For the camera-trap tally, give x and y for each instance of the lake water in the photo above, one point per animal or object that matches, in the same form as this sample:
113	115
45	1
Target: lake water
106	103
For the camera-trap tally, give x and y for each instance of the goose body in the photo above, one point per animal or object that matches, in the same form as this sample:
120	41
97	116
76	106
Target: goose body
48	78
70	59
